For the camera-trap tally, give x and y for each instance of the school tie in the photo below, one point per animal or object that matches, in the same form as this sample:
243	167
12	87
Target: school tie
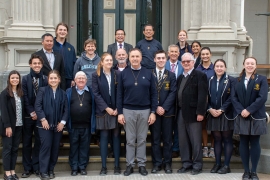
35	83
120	45
159	78
173	68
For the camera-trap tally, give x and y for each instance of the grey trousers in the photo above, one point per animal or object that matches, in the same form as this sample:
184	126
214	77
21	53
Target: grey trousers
136	127
190	142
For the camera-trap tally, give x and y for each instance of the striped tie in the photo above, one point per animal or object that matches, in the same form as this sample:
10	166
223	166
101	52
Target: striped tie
159	78
35	83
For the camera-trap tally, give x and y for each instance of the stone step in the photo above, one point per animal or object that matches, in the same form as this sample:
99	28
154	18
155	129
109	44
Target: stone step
95	163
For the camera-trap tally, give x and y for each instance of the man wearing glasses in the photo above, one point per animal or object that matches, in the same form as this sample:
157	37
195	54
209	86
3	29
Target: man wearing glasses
119	44
191	104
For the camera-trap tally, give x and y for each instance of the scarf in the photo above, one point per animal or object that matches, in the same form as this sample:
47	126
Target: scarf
216	94
30	86
244	93
53	107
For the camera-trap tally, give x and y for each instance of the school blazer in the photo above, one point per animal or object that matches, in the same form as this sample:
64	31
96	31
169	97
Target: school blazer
166	92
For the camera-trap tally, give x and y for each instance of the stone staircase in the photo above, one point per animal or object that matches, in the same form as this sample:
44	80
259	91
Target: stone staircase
95	159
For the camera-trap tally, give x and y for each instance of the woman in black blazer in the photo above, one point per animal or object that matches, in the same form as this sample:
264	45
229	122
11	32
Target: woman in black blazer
52	113
220	118
248	98
104	83
11	105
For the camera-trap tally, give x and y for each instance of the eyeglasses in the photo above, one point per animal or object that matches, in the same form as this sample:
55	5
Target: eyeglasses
187	61
120	34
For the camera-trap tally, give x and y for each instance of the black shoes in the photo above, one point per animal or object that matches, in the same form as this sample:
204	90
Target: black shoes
215	168
117	170
83	172
253	176
175	154
168	169
246	176
74	173
156	169
184	170
195	171
44	176
36	172
224	170
26	174
51	175
143	171
15	176
10	177
103	171
128	171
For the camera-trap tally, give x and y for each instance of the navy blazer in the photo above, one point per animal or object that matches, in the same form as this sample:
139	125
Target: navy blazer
258	99
29	99
8	112
194	95
179	65
112	48
226	103
100	89
58	65
166	92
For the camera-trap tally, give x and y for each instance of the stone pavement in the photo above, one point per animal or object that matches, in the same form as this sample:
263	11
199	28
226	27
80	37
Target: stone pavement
94	175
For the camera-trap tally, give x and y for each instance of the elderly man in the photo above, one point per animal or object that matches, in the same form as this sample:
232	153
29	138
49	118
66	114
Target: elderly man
81	123
121	58
119	44
136	106
191	102
165	114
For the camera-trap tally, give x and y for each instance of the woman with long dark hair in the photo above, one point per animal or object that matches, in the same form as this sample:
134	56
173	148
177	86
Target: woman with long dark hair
12	113
220	118
104	84
52	113
196	49
248	97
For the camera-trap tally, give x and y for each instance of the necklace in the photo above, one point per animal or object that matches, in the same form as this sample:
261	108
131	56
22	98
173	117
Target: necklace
135	77
81	104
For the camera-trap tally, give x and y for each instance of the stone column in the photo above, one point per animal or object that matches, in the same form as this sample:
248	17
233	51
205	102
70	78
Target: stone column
48	16
195	19
5	14
216	20
26	19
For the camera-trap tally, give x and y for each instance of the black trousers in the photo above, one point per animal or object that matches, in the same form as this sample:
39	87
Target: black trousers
190	142
161	130
30	155
79	148
49	148
10	149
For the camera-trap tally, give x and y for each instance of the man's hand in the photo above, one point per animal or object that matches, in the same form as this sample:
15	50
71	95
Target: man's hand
199	117
8	132
60	127
45	125
72	83
121	119
152	119
160	111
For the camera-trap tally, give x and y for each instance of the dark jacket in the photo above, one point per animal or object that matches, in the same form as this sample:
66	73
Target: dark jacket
68	53
28	90
226	103
166	92
101	91
194	96
58	65
258	98
8	112
39	107
92	119
112	48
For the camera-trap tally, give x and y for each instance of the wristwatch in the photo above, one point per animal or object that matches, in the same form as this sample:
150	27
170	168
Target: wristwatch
153	112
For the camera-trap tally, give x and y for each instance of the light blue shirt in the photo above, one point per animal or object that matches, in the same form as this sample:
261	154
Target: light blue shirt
80	92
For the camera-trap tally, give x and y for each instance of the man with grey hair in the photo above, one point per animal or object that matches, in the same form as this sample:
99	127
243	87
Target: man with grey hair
191	104
174	65
81	123
121	58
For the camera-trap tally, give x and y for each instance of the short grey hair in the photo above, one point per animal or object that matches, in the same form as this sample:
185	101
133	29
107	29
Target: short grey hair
172	46
188	54
80	73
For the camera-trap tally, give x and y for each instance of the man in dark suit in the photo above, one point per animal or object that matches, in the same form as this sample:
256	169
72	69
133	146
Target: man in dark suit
52	60
119	44
191	104
30	85
165	113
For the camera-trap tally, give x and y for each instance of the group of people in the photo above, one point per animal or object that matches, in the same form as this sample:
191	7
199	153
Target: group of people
179	96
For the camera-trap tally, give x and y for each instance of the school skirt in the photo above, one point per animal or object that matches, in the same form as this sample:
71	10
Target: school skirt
249	126
220	123
106	122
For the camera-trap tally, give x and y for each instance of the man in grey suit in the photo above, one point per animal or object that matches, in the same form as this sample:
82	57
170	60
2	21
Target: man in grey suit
119	44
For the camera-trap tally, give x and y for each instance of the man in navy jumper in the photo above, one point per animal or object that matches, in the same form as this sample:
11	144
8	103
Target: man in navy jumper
62	47
148	47
136	106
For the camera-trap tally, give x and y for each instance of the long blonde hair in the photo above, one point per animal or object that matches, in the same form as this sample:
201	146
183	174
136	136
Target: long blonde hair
99	66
